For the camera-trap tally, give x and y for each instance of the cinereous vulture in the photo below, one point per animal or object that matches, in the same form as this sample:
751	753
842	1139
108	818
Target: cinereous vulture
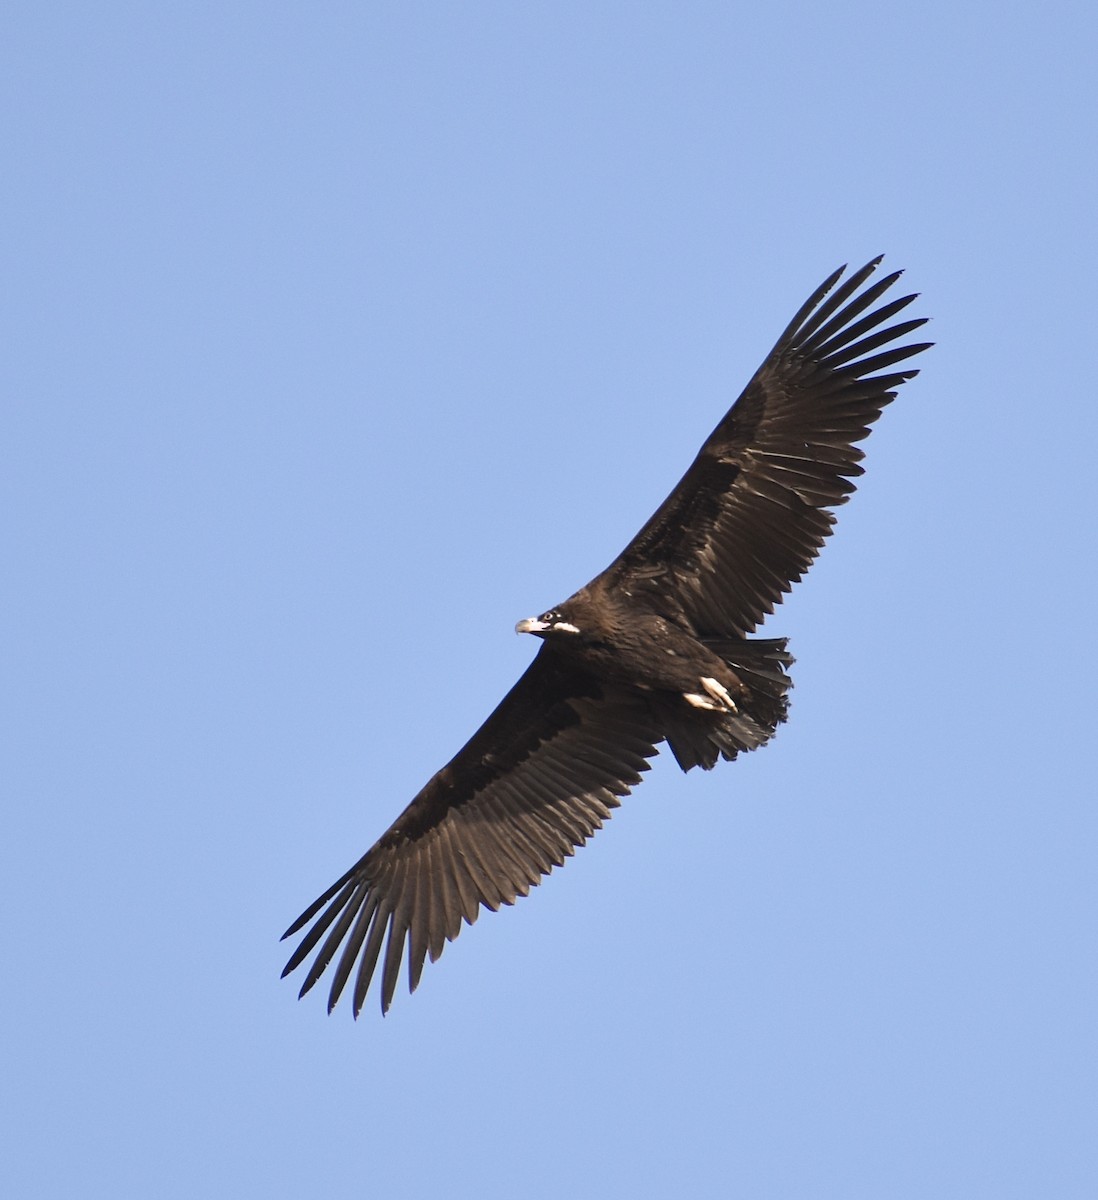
655	649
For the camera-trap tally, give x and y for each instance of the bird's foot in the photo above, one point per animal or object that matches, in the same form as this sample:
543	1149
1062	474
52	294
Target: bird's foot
716	698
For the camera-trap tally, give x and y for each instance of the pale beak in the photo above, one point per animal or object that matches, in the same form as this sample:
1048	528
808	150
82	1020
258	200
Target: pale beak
532	625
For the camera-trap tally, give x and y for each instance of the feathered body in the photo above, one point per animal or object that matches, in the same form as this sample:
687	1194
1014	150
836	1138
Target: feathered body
712	697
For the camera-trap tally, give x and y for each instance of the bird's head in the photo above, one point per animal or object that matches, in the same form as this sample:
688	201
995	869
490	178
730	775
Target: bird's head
549	624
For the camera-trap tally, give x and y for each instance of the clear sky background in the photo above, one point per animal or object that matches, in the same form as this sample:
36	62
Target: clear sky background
338	337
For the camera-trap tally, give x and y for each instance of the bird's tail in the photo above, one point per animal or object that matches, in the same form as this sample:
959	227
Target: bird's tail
698	738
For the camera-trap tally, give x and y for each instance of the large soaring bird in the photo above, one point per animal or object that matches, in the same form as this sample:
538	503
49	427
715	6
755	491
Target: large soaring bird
655	649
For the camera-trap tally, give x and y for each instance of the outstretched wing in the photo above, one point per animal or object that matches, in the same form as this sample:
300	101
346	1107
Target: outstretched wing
749	516
536	781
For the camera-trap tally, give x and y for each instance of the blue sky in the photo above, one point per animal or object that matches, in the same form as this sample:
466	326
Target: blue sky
337	338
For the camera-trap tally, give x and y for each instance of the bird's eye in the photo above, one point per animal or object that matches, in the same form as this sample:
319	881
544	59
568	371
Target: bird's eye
551	615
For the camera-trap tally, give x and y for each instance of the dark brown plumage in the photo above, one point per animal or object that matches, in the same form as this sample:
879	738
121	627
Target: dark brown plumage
654	649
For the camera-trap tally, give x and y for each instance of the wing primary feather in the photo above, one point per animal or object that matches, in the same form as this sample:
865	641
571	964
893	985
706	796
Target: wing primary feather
838	324
838	331
389	919
838	357
807	307
883	386
350	951
422	917
378	923
314	935
394	947
338	932
865	367
425	915
320	901
418	933
837	298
